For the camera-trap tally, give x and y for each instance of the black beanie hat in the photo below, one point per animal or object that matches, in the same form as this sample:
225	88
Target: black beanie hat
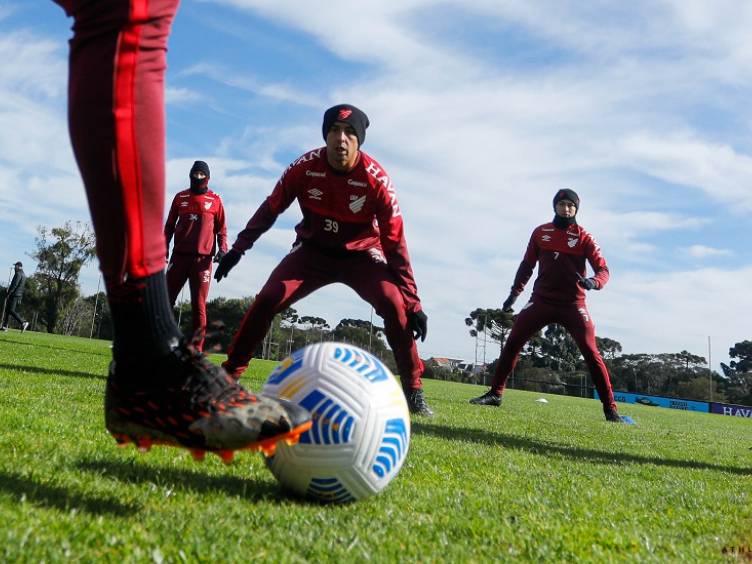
567	194
202	166
351	116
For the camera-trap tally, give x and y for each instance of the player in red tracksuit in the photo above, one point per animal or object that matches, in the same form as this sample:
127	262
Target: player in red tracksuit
159	388
351	232
561	249
197	220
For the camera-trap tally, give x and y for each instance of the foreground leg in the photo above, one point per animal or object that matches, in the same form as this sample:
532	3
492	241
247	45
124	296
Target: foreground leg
159	389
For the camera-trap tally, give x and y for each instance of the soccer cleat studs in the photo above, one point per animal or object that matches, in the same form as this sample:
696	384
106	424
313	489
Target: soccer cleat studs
267	447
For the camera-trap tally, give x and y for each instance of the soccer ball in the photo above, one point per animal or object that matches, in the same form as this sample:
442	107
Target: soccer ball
361	424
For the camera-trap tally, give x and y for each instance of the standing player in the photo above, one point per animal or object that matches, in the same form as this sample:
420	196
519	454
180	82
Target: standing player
13	298
560	248
351	232
197	219
159	388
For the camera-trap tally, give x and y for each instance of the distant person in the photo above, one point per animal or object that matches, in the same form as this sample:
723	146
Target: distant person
159	389
13	298
561	249
351	232
197	221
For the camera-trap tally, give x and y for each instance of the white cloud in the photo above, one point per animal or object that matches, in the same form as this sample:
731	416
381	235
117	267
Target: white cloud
716	169
32	65
669	312
40	184
375	32
182	96
703	251
276	91
6	10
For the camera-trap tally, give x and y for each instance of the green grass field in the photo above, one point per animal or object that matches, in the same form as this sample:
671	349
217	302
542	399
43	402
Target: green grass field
528	481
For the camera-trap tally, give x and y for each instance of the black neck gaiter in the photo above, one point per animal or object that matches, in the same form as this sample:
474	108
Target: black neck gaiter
564	222
199	186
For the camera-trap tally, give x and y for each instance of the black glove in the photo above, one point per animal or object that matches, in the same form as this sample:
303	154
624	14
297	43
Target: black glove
227	263
418	324
218	256
506	307
587	283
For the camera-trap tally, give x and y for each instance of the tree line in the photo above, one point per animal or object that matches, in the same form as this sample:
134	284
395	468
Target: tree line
551	362
53	302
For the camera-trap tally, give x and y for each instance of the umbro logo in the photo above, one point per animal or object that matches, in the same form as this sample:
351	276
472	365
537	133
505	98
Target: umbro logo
357	204
193	217
183	204
572	242
207	205
315	194
344	113
546	238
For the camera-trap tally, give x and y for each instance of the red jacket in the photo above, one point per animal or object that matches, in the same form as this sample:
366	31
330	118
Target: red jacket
342	212
561	255
198	223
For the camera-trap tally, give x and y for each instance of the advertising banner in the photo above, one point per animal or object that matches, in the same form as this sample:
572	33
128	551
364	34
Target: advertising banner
731	409
659	401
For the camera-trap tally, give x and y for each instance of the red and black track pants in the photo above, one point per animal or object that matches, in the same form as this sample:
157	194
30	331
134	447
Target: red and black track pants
576	319
197	271
116	119
305	270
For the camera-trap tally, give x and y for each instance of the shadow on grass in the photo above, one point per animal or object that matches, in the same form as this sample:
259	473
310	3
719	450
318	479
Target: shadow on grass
52	371
547	449
185	480
61	498
32	343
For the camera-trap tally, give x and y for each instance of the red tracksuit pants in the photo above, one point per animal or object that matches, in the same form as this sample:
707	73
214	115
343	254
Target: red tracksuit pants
305	270
197	271
116	118
576	319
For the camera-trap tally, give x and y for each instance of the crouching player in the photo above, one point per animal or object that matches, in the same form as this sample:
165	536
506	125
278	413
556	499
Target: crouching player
561	249
351	232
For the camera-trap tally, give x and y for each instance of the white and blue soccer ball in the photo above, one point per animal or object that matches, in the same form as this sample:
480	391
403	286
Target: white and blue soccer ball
361	425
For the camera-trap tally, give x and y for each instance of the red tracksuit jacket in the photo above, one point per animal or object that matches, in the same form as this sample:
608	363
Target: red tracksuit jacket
561	255
354	211
198	223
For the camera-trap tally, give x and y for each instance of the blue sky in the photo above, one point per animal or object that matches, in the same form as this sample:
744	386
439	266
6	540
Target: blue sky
480	110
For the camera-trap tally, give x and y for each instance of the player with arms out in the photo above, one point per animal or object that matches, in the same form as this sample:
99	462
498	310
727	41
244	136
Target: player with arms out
561	249
197	221
159	389
351	232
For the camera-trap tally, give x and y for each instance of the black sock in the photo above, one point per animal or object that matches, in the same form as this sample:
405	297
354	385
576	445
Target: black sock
142	318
